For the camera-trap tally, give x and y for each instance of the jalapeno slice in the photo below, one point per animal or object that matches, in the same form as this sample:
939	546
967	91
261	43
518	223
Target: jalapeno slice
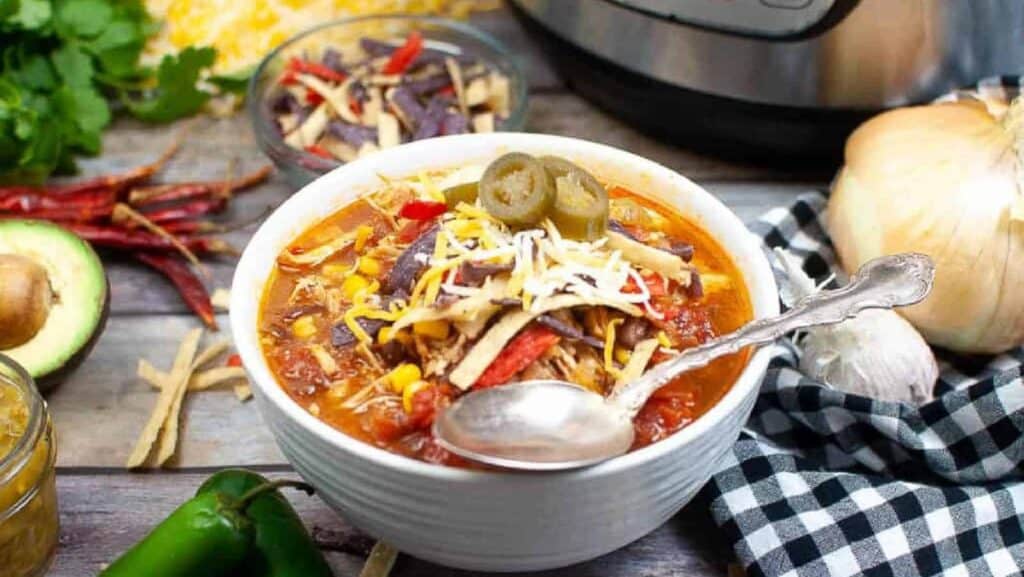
580	210
465	192
517	190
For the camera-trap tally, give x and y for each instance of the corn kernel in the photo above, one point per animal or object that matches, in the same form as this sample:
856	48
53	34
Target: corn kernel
663	340
336	271
409	392
621	355
304	327
353	285
363	234
402	376
431	329
387	334
368	266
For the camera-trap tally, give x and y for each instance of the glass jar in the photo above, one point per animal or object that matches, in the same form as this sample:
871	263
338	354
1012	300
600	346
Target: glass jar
29	524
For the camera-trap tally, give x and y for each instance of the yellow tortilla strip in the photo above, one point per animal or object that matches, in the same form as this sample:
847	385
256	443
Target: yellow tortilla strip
380	560
467	309
178	382
169	400
243	392
659	261
638	360
221	298
200	381
491	344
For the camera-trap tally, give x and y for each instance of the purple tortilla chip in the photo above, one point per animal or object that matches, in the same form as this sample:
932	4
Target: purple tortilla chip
408	105
352	133
454	123
430	124
332	59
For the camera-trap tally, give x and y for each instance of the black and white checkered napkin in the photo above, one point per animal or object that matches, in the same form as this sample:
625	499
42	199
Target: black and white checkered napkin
824	483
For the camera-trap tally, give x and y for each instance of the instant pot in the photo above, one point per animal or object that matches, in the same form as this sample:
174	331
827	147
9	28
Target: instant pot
772	78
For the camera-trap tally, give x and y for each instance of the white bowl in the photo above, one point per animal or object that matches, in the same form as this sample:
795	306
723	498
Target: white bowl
498	521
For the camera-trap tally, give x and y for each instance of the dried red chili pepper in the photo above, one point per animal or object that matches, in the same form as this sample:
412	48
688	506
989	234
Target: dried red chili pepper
186	190
110	237
422	209
191	209
188	284
521	352
405	54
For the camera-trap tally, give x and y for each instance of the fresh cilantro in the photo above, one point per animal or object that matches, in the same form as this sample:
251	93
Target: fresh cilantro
176	94
60	63
235	83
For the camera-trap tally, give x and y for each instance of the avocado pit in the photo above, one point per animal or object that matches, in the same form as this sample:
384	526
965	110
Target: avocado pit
25	299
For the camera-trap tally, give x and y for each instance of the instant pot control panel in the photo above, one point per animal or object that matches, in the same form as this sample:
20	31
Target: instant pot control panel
764	18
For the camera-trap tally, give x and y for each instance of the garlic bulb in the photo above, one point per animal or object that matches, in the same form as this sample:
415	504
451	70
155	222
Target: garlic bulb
877	354
945	180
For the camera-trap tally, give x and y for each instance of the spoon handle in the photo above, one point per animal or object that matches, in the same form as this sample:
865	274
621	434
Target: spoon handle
883	283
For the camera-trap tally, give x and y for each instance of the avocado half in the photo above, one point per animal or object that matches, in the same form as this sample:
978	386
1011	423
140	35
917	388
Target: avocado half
79	298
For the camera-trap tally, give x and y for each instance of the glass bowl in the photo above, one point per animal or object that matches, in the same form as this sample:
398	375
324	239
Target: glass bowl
301	167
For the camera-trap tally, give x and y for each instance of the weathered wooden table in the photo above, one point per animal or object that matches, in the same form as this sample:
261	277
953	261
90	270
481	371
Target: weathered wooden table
100	410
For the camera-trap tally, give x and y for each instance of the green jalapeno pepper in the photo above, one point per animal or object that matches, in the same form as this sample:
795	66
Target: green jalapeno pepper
517	190
208	536
282	547
580	210
465	192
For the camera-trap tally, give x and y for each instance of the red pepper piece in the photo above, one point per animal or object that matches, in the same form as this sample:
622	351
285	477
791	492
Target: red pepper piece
405	54
422	209
234	360
319	151
654	282
413	229
355	106
447	90
520	353
289	78
189	286
313	98
301	66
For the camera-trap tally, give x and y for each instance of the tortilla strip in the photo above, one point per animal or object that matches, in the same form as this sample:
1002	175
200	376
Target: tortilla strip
634	369
200	381
659	261
178	382
169	400
243	392
318	254
221	298
491	344
380	560
466	309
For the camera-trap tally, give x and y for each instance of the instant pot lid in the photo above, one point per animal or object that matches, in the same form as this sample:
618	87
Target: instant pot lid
774	78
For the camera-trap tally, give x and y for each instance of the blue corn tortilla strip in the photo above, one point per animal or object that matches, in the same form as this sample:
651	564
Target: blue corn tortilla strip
408	105
454	123
353	134
333	60
429	124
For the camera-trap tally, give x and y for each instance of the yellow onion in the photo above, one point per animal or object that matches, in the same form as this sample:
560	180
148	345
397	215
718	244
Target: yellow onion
944	180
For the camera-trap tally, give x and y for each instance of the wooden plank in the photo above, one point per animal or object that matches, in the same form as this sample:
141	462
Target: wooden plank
104	514
100	410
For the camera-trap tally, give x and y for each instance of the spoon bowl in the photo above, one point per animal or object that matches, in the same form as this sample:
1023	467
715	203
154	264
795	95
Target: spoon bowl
536	425
547	425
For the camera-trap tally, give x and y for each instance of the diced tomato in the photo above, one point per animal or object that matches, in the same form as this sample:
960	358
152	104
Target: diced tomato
413	229
301	66
654	282
427	402
691	325
521	352
319	151
661	417
405	54
422	209
386	422
313	98
447	90
234	361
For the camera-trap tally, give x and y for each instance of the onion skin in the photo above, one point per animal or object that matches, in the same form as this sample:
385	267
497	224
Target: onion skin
941	180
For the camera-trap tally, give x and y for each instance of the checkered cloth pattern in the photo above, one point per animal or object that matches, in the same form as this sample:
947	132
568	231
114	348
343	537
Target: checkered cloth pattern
824	483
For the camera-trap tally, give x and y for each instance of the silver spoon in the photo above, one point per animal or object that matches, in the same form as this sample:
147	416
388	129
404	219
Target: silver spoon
551	425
